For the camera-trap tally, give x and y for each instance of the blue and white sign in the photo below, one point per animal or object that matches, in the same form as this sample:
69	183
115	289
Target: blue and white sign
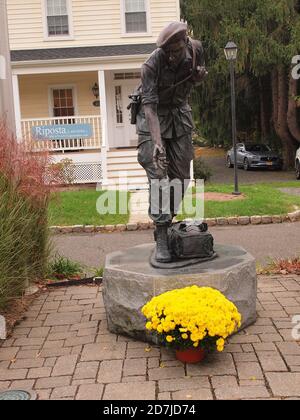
62	132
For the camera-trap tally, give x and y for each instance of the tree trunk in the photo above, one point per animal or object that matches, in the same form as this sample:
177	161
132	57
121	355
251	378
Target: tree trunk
280	107
264	93
274	81
292	109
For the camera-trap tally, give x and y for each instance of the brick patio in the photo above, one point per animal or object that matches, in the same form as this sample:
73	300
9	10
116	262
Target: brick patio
63	350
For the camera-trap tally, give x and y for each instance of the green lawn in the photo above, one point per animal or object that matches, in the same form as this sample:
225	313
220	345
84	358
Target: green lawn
79	208
261	199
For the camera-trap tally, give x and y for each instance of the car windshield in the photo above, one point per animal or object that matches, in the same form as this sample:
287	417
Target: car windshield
258	148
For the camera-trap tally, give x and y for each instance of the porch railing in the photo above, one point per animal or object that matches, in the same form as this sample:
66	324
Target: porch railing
58	144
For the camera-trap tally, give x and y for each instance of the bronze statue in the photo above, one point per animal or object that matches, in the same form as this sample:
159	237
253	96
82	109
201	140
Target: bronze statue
164	121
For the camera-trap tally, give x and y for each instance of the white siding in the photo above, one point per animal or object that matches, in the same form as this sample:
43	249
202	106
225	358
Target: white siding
95	22
34	92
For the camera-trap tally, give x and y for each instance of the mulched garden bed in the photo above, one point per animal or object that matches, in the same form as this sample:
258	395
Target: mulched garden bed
74	282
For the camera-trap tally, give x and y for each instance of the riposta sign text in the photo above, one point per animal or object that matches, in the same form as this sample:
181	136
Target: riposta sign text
62	132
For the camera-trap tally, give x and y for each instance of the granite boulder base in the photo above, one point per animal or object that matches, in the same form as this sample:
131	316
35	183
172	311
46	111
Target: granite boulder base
130	281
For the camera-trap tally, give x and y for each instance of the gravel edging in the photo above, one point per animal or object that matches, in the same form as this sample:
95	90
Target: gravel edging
218	221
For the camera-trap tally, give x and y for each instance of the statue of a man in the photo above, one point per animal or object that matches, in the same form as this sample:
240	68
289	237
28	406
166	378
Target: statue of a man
164	123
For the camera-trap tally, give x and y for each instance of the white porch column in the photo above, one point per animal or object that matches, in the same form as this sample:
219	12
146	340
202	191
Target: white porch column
6	95
104	124
17	106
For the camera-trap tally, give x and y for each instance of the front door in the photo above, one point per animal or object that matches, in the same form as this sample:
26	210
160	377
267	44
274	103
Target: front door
125	132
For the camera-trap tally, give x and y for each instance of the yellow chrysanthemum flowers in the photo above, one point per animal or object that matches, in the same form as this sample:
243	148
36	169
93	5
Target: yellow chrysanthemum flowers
192	317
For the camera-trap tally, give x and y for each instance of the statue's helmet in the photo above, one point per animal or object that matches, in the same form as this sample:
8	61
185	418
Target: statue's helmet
174	31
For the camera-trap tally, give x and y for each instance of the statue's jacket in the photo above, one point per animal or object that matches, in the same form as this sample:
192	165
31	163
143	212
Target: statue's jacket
174	111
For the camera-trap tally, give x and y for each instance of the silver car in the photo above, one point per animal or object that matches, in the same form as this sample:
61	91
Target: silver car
254	156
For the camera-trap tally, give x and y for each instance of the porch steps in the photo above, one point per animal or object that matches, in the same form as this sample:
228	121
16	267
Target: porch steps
124	171
120	153
116	160
120	166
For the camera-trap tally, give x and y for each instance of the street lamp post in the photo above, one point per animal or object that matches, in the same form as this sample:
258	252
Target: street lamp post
231	56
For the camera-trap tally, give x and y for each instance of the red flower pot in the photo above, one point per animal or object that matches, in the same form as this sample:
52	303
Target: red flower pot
190	355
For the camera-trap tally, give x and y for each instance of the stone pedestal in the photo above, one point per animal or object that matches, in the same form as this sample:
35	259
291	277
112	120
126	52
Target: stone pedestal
130	281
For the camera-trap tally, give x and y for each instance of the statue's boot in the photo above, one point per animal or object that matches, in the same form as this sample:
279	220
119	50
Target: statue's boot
162	250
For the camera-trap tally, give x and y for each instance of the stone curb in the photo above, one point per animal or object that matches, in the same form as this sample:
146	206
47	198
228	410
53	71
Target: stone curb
219	221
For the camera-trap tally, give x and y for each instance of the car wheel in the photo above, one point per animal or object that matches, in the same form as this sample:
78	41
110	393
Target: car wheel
229	163
246	165
298	170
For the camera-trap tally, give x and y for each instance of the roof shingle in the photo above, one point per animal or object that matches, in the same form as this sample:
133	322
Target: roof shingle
81	52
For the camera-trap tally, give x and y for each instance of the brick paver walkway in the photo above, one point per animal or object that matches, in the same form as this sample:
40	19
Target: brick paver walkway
63	350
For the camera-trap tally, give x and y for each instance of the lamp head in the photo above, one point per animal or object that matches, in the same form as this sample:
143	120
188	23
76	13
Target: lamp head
95	90
231	51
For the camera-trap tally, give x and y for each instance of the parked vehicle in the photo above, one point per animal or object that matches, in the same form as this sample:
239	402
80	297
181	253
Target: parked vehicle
298	164
254	156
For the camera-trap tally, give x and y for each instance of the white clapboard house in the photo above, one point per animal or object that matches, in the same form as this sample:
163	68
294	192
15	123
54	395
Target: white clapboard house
74	64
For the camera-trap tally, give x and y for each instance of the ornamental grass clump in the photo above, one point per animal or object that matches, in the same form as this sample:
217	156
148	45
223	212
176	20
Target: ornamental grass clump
24	199
193	317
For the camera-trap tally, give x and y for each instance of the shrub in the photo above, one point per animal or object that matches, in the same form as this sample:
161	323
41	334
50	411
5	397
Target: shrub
281	266
200	141
98	272
65	171
202	170
24	241
63	268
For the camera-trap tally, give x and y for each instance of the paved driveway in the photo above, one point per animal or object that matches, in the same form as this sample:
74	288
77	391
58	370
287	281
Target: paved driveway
261	241
63	350
221	174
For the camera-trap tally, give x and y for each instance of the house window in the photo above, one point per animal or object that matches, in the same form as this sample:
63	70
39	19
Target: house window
126	76
136	16
63	103
119	106
57	17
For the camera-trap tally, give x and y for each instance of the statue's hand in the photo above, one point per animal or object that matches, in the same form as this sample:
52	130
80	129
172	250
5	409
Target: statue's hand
200	74
160	157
